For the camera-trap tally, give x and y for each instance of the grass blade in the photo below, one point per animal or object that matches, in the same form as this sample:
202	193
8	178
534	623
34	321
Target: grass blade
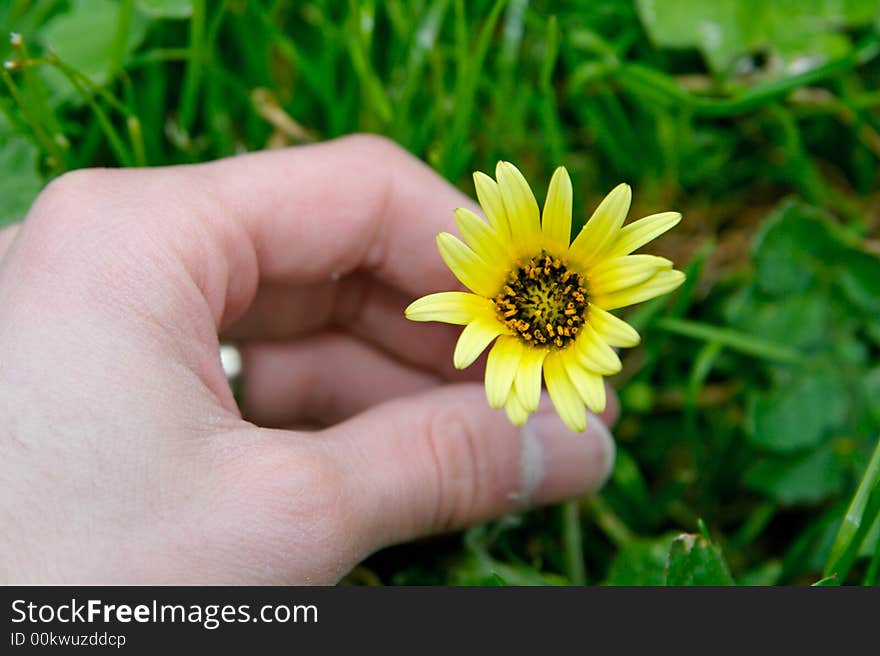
193	76
853	528
732	339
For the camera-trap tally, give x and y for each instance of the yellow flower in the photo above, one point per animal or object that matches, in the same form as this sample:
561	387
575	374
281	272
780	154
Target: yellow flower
546	300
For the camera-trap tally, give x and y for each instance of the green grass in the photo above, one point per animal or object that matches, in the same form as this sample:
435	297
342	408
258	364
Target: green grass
752	408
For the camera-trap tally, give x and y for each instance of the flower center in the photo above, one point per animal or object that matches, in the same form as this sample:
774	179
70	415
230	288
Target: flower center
543	301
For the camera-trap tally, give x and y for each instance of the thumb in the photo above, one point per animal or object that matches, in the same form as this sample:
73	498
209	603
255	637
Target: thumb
444	459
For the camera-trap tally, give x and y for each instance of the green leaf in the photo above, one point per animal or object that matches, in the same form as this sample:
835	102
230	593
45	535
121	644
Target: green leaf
809	478
798	320
793	244
693	560
641	562
166	8
85	38
721	30
19	180
860	281
802	33
798	415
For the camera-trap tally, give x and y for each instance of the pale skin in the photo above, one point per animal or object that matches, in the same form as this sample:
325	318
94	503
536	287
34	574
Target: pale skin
124	457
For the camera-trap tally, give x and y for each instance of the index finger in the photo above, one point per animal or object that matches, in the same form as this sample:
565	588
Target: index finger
321	211
294	216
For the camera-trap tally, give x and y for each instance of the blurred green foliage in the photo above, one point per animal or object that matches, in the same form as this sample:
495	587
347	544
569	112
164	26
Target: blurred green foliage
754	402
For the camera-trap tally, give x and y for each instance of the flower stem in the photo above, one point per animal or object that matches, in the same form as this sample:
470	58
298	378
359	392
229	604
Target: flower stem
573	544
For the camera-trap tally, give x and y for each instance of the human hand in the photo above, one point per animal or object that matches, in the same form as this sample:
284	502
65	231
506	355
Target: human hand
123	455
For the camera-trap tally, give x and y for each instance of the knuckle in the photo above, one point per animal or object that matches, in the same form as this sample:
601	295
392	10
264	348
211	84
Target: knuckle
70	193
89	208
66	227
373	146
461	468
391	163
83	226
297	495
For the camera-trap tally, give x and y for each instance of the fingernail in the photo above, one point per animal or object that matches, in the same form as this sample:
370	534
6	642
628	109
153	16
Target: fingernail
557	463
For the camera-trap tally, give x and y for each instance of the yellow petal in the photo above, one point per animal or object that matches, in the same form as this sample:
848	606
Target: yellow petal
516	413
565	397
619	273
490	200
527	384
603	226
481	238
474	339
556	220
612	330
638	233
594	352
521	207
473	272
661	282
590	386
501	368
450	307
